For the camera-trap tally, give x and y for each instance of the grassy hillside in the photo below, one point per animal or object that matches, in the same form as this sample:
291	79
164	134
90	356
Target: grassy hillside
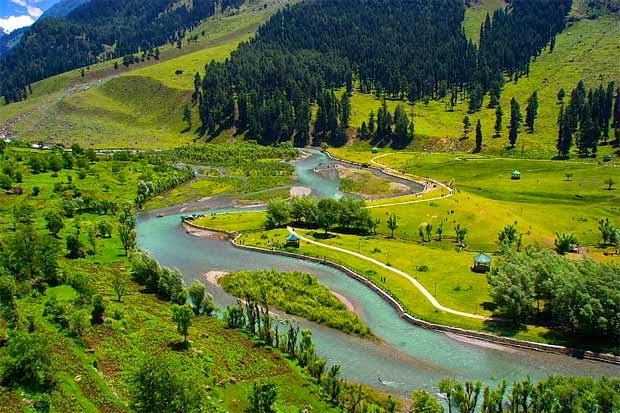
139	106
476	14
583	51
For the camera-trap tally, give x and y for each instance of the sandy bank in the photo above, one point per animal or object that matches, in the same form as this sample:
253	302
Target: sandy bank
297	191
344	300
212	277
204	233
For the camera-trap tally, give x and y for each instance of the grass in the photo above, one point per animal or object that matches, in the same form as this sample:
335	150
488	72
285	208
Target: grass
476	14
195	190
237	222
295	293
582	51
367	184
135	107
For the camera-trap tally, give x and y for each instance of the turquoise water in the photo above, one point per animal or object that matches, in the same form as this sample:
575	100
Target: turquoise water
406	357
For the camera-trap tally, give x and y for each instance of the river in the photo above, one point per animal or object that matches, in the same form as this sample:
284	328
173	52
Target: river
405	358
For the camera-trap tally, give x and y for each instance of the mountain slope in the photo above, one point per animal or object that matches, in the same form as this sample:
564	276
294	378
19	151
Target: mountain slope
101	117
63	8
99	30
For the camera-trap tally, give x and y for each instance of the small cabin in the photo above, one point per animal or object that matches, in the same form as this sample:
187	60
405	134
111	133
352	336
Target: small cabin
482	263
607	158
375	150
292	240
516	175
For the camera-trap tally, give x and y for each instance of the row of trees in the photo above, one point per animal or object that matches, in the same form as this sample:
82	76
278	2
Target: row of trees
396	130
586	119
148	190
254	317
582	296
348	214
304	52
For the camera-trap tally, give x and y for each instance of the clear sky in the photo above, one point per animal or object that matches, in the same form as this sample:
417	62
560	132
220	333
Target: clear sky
19	13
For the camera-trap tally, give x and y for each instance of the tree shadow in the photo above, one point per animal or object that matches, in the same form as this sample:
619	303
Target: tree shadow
179	345
322	235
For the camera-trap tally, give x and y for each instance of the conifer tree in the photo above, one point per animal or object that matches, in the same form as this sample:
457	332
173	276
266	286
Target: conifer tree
515	122
531	111
498	121
478	136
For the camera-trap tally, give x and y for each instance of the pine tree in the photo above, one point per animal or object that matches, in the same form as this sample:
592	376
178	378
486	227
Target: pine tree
531	111
498	121
616	115
371	122
475	98
401	127
565	137
466	127
561	95
478	136
345	110
515	122
187	117
588	138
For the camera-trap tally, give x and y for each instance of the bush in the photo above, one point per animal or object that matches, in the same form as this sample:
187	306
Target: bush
161	385
28	362
96	316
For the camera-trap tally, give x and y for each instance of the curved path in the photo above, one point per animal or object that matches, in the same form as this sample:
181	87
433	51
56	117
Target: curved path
396	173
411	279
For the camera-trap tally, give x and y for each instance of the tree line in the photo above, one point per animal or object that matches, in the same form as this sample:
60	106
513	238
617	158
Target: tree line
98	30
585	120
539	285
306	51
348	214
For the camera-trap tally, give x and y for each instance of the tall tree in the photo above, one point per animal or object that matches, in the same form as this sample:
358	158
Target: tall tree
515	122
498	121
478	136
401	127
466	127
565	137
345	110
531	111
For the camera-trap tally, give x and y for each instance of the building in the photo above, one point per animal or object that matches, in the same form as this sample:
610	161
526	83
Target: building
482	263
292	240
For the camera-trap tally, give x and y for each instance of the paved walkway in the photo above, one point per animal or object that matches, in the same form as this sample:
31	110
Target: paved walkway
411	279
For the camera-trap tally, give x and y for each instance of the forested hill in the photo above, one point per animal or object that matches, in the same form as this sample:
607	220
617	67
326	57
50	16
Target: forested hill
97	30
396	48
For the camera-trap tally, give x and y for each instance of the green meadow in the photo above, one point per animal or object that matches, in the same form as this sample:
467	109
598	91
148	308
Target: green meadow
582	51
135	107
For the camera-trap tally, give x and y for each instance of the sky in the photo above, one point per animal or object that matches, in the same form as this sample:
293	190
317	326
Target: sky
20	13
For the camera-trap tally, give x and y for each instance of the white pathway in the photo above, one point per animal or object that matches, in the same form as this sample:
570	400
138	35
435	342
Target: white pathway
411	279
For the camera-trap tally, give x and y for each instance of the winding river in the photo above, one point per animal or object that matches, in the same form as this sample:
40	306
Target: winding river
405	358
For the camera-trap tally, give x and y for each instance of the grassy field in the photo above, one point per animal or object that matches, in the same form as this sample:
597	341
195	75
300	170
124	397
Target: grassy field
583	51
136	107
